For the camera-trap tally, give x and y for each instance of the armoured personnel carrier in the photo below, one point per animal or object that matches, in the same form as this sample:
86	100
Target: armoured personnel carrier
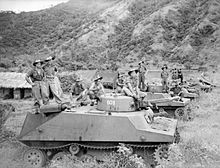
176	106
92	131
186	90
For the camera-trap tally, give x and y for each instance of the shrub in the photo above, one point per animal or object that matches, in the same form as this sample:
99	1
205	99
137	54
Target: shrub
120	159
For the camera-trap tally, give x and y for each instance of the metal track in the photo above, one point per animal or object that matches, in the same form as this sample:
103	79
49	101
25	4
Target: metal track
95	147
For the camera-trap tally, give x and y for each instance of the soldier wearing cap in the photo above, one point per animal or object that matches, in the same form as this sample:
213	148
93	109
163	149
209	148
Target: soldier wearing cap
51	79
96	89
35	77
120	83
77	88
164	77
131	84
142	69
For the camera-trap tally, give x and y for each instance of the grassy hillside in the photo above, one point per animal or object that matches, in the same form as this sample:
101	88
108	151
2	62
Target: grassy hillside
112	33
26	36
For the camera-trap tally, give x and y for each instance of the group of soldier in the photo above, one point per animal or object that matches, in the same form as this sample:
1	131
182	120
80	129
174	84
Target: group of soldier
45	84
134	84
90	94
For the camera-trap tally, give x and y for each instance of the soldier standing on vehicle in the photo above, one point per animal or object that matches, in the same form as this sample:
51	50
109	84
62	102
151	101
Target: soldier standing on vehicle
180	75
164	77
50	73
35	77
142	71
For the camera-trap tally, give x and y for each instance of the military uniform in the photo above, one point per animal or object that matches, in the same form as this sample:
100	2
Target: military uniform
180	75
53	87
120	82
133	81
142	70
96	90
164	77
39	89
77	89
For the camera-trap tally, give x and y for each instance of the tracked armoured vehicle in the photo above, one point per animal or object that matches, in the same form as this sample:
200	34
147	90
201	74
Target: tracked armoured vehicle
185	90
92	131
176	106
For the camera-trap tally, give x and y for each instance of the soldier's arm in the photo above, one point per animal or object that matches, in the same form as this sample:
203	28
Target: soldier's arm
28	79
103	90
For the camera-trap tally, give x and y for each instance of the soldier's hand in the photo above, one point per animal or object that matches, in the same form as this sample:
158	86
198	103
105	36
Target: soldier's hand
33	84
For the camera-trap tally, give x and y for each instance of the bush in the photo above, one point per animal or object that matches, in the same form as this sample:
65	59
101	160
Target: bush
120	159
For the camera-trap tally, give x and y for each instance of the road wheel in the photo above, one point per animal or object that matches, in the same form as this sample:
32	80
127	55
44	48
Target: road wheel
74	149
180	113
161	153
34	158
60	156
161	110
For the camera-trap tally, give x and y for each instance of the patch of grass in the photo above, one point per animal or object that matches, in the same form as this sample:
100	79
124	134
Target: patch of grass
200	145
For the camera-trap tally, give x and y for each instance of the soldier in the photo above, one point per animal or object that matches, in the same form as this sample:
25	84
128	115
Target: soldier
180	75
77	88
175	75
96	89
142	71
50	72
35	77
120	83
131	89
164	77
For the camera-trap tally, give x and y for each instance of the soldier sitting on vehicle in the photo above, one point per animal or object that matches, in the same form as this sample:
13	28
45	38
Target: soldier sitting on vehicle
175	89
77	88
96	89
131	88
120	83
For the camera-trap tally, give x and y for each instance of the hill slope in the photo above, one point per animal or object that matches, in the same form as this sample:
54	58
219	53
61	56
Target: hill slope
110	33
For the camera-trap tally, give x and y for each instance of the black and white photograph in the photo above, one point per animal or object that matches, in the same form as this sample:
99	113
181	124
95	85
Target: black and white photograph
109	83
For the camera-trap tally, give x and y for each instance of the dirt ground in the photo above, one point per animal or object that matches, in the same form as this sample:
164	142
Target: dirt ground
204	130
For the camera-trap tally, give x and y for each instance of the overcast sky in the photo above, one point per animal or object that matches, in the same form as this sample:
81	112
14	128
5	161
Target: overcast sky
27	5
